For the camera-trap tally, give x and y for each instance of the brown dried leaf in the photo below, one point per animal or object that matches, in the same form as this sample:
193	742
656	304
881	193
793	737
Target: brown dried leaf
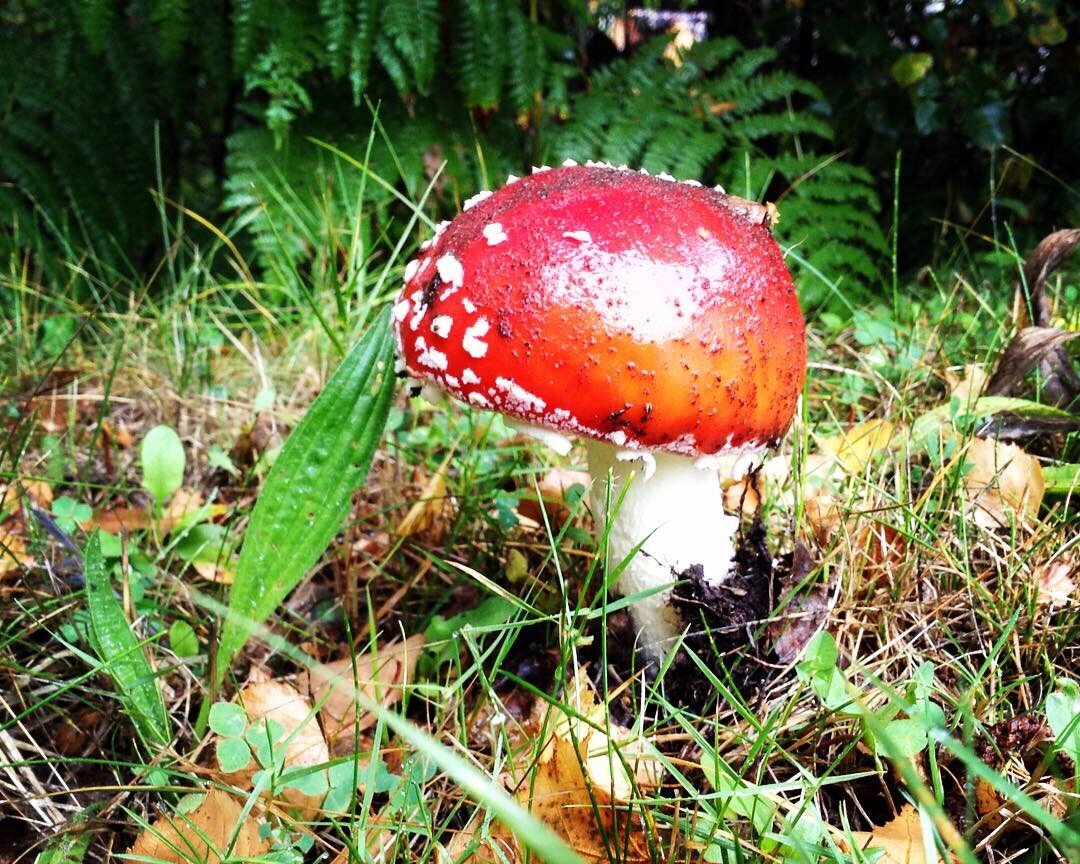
305	745
745	496
1027	349
1056	583
799	622
1047	257
580	785
13	553
118	519
381	676
553	487
39	492
55	411
825	517
428	515
202	836
880	551
1004	483
969	386
71	734
588	762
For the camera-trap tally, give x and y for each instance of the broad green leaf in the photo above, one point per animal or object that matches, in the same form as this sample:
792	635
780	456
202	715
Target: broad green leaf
228	719
309	781
232	754
183	640
902	739
205	543
308	491
1049	32
1002	12
911	68
1063	717
121	654
71	846
1062	479
820	654
758	808
162	457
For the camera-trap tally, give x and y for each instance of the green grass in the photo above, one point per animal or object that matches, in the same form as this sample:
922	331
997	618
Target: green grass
943	655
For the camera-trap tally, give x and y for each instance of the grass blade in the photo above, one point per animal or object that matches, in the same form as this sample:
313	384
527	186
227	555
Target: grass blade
120	652
307	493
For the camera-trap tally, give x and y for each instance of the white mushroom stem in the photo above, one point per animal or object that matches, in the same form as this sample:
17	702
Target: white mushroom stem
676	513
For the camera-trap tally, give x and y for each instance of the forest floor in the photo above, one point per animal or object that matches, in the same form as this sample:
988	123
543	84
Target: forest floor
906	682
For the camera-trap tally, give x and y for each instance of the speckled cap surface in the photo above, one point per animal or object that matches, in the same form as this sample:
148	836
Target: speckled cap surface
608	303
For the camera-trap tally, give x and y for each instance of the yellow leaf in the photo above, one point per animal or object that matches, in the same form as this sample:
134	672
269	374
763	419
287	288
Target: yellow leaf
857	447
900	839
202	836
581	785
13	553
1004	484
969	386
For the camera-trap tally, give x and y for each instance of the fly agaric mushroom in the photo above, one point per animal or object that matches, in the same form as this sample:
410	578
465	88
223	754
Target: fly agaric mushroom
652	318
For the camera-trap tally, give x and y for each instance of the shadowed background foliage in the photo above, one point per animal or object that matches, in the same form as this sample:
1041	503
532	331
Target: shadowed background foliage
117	115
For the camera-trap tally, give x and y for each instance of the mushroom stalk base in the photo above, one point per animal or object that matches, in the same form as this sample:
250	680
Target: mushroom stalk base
676	514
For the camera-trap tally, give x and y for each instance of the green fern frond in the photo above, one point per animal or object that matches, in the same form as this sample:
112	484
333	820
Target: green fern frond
411	28
366	17
172	21
479	63
338	19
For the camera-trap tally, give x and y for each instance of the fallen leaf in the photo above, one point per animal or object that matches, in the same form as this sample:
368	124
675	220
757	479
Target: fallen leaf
1056	584
745	496
381	675
1010	747
40	493
1027	349
968	386
184	503
122	436
553	488
799	621
879	552
56	411
428	515
859	445
223	574
1004	484
900	839
72	733
581	785
13	553
202	836
304	744
824	515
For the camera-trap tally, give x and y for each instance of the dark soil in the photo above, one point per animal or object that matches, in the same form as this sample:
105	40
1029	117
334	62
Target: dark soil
726	624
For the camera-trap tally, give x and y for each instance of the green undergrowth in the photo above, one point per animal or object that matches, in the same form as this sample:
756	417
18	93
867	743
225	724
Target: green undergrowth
940	677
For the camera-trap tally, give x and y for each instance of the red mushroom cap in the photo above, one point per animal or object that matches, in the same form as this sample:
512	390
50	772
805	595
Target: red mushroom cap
604	302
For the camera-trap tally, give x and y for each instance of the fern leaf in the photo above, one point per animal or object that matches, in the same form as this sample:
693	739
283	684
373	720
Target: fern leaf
412	27
480	24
